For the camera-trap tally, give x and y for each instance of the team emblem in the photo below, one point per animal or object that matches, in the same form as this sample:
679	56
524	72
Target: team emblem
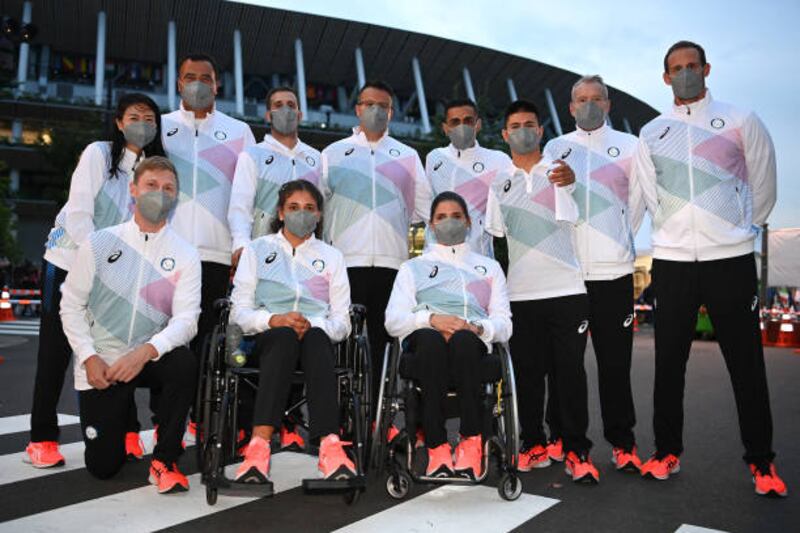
613	151
91	432
394	152
478	167
480	269
310	160
717	123
168	264
220	135
318	264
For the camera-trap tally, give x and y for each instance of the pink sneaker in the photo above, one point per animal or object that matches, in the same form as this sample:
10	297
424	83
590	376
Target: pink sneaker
333	461
43	454
134	447
440	461
255	467
469	454
533	457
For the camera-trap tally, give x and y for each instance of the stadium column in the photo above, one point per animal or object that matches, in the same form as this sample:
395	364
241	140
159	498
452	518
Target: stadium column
468	85
24	50
423	104
237	70
361	76
512	91
100	59
301	77
627	125
551	105
172	67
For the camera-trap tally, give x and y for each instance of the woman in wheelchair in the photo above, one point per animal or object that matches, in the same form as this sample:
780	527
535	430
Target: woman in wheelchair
291	290
447	307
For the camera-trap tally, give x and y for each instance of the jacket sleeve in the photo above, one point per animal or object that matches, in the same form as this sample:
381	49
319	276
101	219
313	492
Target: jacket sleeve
249	138
759	155
401	319
74	301
566	207
243	310
324	187
423	195
497	328
636	205
182	325
243	193
494	216
337	323
87	179
643	178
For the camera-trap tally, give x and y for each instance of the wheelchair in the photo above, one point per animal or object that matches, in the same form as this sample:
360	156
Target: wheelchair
398	394
219	401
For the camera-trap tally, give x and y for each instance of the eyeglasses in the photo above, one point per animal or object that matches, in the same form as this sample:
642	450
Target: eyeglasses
383	105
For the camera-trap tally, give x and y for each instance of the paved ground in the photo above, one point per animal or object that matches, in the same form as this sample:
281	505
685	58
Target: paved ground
712	491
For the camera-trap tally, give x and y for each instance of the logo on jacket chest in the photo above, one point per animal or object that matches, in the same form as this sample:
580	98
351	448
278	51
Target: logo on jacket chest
271	258
507	186
113	257
172	132
318	264
220	135
717	123
478	167
613	151
565	153
310	161
438	165
269	160
394	152
168	264
434	272
480	269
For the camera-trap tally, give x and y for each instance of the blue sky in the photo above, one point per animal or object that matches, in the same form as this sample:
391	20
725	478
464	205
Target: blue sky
751	46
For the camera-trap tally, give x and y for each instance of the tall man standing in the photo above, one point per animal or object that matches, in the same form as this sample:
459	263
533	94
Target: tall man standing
376	187
707	173
203	143
601	158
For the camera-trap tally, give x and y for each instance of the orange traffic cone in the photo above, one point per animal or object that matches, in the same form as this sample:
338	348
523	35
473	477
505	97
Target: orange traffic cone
635	322
6	312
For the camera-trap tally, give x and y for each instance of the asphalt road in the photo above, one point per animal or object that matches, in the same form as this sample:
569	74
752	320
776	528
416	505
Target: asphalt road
713	490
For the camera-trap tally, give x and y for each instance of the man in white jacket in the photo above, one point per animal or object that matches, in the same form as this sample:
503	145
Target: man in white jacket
204	144
129	308
707	173
609	217
376	187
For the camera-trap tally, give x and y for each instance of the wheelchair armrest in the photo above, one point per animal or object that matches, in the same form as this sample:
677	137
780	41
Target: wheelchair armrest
221	304
359	311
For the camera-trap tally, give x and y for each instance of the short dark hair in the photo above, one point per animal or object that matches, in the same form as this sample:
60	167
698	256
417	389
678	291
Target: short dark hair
377	84
460	102
156	162
521	106
684	44
281	89
197	56
286	191
449	196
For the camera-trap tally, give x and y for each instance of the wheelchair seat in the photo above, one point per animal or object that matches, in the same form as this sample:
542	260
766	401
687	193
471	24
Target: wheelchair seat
491	368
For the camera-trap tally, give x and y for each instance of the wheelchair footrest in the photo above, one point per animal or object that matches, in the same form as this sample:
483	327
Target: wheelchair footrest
232	488
358	482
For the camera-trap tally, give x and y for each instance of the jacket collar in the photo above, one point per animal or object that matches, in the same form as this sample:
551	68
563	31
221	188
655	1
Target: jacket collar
450	253
270	141
188	117
359	137
694	107
136	235
129	161
467	153
287	246
599	133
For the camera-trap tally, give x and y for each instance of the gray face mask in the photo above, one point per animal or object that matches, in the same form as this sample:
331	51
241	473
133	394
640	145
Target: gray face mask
139	134
155	206
462	136
375	119
197	95
451	231
523	140
284	120
300	223
687	84
589	116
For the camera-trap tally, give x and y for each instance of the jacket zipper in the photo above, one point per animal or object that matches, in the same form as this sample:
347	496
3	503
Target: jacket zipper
142	259
374	201
463	284
194	184
587	240
296	283
691	182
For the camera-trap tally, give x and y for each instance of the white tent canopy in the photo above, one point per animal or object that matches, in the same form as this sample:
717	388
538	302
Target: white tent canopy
784	257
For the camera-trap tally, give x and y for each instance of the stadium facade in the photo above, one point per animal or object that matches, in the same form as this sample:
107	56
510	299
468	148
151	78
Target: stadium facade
55	95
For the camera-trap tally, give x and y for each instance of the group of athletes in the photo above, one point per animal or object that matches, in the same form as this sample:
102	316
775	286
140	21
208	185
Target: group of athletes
160	216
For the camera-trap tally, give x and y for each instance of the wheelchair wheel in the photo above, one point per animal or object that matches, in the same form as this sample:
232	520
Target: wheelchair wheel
510	487
386	392
211	495
208	391
510	414
352	496
398	485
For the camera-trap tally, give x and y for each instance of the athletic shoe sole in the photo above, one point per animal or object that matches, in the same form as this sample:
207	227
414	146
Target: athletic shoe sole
772	493
27	460
542	464
341	473
665	477
587	479
176	487
252	476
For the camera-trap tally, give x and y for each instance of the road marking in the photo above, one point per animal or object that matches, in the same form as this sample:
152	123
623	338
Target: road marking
143	509
26	328
686	528
15	424
455	508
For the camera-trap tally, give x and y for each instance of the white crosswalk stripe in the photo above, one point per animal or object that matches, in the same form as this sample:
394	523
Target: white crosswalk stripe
15	424
686	528
28	328
118	512
454	508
